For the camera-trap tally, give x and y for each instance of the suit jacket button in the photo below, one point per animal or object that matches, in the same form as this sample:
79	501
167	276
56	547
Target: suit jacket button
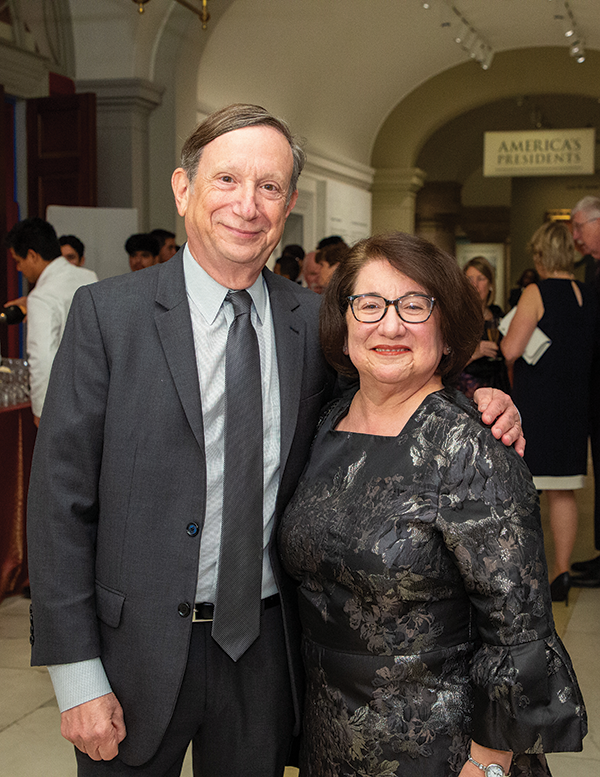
184	609
192	529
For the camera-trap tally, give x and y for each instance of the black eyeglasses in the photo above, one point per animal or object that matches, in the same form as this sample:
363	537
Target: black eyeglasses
412	308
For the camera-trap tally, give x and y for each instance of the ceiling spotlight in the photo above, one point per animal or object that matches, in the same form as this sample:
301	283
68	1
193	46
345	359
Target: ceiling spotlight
571	31
462	31
569	21
466	36
577	50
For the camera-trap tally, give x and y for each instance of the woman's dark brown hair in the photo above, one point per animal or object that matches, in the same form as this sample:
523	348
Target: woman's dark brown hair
457	302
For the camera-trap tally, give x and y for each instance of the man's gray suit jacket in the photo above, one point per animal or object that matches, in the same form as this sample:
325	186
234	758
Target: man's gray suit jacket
119	474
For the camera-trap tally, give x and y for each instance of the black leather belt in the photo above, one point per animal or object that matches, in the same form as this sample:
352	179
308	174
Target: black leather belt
204	613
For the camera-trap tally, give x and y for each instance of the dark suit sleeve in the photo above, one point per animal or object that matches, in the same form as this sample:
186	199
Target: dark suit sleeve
63	495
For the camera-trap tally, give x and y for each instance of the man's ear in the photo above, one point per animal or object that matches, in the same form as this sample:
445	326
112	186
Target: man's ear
291	203
181	189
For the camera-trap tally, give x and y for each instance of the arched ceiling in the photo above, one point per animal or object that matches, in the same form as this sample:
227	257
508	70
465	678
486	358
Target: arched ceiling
351	76
541	70
337	69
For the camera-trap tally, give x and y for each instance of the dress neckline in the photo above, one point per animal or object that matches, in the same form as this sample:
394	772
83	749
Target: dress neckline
339	412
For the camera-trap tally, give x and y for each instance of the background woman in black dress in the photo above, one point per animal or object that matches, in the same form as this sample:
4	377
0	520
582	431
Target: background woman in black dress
553	394
415	535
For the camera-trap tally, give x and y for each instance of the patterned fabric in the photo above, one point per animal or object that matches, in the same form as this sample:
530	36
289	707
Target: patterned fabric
424	601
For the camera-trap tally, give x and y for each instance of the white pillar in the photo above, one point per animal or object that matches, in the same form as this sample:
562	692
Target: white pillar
123	109
394	192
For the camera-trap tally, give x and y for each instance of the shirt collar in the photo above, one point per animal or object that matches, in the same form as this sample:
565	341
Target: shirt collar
51	268
208	295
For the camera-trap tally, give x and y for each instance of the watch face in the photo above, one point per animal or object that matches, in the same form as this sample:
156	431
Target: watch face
493	770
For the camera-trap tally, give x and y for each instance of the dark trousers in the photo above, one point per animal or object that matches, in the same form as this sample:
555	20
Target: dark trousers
594	430
595	440
238	715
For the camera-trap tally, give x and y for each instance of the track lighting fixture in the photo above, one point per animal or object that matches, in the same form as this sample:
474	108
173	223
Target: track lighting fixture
565	15
465	35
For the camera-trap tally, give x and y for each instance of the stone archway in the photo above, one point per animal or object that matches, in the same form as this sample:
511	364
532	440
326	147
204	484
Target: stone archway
408	128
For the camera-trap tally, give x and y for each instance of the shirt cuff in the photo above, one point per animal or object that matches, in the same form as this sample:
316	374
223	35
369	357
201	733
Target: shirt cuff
79	682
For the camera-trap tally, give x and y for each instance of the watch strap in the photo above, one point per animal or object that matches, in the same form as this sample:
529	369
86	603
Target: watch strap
485	768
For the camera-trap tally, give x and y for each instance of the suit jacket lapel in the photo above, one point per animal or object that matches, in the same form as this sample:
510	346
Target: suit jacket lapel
173	322
289	340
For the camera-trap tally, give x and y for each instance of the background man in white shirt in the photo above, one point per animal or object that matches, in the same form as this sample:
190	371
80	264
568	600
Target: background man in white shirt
34	247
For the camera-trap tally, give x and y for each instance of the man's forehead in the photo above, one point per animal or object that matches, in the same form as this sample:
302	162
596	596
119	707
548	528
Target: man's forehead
239	144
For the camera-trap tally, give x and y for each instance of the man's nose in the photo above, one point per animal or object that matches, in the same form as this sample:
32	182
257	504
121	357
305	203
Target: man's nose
245	203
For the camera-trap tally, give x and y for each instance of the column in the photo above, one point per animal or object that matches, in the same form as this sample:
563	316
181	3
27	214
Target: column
123	110
438	213
394	192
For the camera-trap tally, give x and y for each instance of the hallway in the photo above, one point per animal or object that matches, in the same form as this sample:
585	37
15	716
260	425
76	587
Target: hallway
30	741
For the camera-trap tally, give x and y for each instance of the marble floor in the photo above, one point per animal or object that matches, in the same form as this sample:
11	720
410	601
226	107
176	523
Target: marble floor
30	741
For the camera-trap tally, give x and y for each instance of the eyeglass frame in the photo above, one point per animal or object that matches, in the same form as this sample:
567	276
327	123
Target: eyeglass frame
393	302
578	226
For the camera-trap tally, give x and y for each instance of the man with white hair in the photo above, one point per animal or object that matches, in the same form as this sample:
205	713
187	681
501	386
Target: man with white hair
585	220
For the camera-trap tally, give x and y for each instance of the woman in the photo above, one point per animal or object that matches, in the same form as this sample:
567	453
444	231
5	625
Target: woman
415	535
553	394
485	366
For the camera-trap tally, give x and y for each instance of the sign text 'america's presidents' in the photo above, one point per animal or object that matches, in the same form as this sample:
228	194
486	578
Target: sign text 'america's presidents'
539	152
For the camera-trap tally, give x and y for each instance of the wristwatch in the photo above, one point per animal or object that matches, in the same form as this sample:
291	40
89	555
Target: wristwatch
491	770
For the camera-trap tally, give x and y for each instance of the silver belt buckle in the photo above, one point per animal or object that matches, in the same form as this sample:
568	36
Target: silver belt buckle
197	619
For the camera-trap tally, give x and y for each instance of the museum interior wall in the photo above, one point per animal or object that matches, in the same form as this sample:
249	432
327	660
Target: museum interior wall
394	136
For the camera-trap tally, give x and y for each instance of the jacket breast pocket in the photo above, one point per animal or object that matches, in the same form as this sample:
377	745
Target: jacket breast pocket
109	605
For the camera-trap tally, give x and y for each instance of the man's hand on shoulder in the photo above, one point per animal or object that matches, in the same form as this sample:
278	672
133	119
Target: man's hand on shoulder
497	408
96	727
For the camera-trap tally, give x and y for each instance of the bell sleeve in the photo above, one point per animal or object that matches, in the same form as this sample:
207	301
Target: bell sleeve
525	692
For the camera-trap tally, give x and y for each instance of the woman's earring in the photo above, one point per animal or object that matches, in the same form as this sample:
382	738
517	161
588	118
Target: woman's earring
447	350
345	349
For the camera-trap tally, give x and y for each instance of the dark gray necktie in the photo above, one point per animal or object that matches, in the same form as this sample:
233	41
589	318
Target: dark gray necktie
237	608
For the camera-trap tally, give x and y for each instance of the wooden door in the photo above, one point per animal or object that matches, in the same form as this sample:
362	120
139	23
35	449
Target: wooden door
61	152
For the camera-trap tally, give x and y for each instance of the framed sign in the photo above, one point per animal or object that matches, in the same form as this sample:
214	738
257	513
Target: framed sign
539	152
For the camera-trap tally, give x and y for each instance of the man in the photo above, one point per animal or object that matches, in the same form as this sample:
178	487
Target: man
311	272
132	484
72	249
289	263
166	241
331	240
143	250
585	220
288	267
35	248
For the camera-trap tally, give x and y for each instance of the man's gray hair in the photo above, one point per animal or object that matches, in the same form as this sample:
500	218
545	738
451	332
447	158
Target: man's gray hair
235	117
589	205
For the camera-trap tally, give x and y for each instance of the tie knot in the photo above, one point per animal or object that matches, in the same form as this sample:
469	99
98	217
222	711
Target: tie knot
241	301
